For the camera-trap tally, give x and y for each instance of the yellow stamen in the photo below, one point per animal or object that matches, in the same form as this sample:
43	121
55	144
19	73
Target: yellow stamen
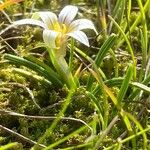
64	28
57	27
60	27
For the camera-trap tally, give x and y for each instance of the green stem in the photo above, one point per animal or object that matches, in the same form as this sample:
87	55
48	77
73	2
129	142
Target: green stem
62	68
71	54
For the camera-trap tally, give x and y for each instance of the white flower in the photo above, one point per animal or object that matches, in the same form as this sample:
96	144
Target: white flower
58	29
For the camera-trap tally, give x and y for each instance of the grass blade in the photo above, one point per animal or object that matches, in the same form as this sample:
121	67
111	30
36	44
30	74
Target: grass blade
53	77
136	22
135	93
100	56
125	84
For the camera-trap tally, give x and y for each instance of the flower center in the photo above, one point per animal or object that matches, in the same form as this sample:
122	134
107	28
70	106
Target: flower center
62	28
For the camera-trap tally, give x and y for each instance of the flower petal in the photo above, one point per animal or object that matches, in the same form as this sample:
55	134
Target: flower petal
67	14
80	36
80	24
29	22
48	18
49	37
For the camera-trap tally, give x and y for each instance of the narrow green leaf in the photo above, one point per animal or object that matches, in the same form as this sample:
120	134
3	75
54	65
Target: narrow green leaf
101	54
130	50
129	127
114	81
141	86
134	94
118	82
105	48
129	138
118	11
98	106
90	60
144	40
53	77
140	127
43	65
125	84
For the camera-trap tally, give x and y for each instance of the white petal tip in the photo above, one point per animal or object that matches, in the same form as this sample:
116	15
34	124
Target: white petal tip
67	14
